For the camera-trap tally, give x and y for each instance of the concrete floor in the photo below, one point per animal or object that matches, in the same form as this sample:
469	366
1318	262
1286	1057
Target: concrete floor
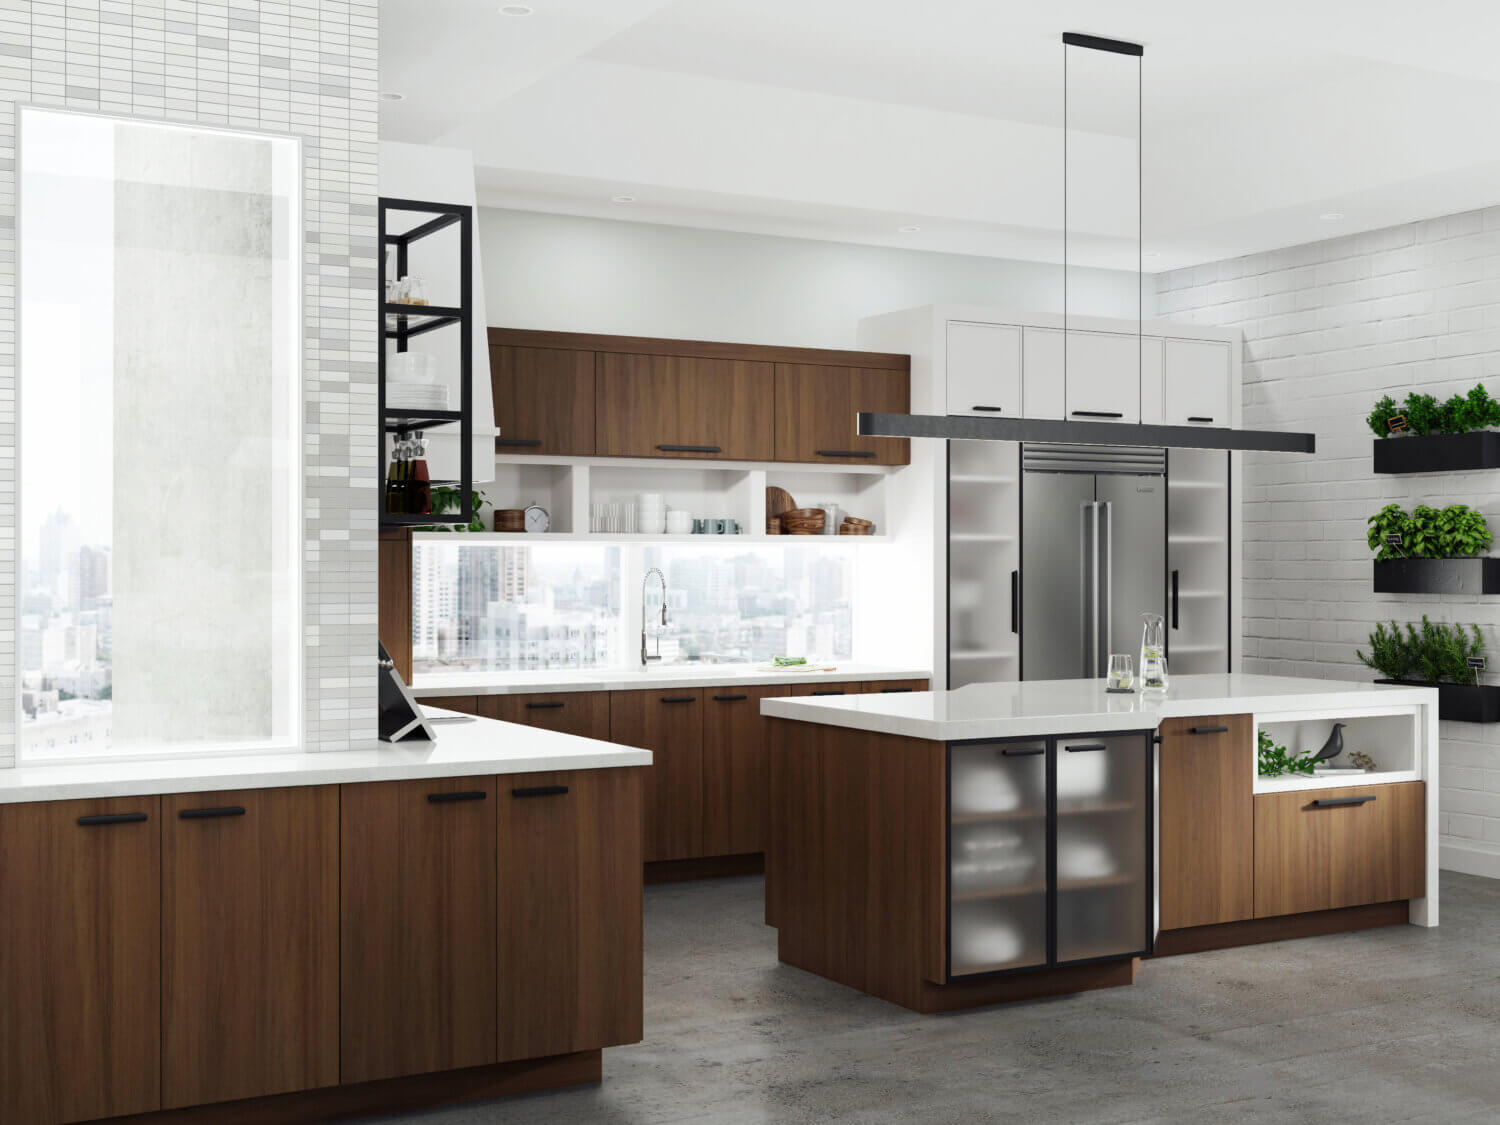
1388	1025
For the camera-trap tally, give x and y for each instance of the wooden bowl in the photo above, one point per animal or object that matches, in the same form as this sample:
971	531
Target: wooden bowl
510	519
803	521
857	522
773	525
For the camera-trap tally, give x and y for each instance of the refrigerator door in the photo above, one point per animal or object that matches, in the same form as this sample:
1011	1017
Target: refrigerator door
1056	570
1135	553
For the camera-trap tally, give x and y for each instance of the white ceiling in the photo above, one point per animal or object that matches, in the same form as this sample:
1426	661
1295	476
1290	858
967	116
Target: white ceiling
848	119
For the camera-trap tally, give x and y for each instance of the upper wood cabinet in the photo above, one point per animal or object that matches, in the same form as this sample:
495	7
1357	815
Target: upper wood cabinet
417	924
984	369
80	959
249	943
584	713
544	399
1207	820
681	406
816	406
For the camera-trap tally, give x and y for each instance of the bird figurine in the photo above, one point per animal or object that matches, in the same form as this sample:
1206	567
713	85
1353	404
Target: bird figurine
1333	747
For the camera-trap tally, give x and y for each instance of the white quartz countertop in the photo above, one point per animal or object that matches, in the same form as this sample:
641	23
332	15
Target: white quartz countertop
1037	707
463	749
624	679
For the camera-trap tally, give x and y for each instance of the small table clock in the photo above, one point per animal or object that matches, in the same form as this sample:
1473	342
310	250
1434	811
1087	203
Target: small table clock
537	519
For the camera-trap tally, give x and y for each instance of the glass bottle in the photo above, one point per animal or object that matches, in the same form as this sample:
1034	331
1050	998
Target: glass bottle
1153	652
419	490
395	491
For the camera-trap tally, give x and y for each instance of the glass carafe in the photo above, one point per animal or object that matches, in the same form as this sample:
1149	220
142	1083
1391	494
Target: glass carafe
1153	652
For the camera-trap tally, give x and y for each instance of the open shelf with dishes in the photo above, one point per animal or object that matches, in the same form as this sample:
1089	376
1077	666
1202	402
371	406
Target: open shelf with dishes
1199	569
984	562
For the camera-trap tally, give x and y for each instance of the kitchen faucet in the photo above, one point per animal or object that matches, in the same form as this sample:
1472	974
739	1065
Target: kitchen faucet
645	660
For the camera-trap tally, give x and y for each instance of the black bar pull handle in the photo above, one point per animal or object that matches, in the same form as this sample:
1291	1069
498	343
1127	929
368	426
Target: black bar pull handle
1341	802
679	698
1096	414
518	441
1022	751
540	791
1208	730
894	690
689	449
211	814
1083	747
990	409
1015	601
545	705
846	453
730	698
830	691
1176	574
111	818
1198	418
451	798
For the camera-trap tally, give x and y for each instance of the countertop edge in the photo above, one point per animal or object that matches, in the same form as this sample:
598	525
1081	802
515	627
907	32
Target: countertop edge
647	681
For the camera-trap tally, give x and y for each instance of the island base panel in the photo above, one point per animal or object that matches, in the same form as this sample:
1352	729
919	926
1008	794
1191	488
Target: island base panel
1285	927
391	1095
708	867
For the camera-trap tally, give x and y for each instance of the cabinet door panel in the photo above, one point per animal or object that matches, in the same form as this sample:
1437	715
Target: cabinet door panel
816	406
544	400
467	704
1195	382
1319	850
673	406
735	777
892	687
984	369
569	911
80	972
250	944
1207	820
827	689
583	713
417	926
670	725
1103	377
1043	392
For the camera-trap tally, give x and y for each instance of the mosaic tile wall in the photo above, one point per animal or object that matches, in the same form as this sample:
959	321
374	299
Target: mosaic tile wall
278	66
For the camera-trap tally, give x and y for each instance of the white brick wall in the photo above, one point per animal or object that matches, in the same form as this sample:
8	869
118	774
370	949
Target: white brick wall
1329	327
287	66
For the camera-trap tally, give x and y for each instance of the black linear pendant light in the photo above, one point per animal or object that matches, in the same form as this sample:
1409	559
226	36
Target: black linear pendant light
1083	431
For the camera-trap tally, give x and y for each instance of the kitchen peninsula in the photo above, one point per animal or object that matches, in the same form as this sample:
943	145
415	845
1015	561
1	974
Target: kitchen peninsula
948	849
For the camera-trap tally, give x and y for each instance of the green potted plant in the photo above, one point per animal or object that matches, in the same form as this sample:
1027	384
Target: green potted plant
1432	551
1437	436
447	498
1447	657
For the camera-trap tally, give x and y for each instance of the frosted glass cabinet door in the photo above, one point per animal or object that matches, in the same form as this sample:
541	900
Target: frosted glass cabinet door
997	879
1103	873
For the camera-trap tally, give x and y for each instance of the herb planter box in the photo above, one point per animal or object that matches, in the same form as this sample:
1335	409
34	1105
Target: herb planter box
1437	576
1438	453
1463	703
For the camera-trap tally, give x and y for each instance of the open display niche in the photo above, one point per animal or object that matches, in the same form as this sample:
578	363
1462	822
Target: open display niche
1389	735
861	495
706	492
1198	563
521	483
984	562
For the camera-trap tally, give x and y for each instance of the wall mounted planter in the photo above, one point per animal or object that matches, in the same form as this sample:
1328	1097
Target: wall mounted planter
1437	576
1463	703
1438	453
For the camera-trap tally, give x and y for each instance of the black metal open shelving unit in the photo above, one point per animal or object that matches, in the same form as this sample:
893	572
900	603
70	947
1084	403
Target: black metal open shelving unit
401	322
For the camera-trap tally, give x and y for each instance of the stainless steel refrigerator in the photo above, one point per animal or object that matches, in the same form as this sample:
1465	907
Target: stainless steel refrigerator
1093	555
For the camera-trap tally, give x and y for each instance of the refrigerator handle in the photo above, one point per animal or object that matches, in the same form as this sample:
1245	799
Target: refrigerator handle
1087	587
1015	601
1175	575
1106	587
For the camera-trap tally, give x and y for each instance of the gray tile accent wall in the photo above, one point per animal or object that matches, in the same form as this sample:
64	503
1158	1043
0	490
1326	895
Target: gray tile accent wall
277	66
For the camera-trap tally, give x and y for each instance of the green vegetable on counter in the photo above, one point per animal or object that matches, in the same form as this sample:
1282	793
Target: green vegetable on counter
788	661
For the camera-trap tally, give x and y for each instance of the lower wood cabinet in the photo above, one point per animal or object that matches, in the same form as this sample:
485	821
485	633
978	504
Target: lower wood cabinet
417	910
80	959
467	704
669	724
570	966
582	713
249	943
1329	848
736	778
1207	820
826	689
892	687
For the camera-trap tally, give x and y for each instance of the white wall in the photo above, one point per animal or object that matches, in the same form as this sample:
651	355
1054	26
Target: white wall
571	274
1329	327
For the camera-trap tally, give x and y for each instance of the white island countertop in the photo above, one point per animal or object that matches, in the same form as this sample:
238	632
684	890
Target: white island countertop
1039	707
467	748
436	685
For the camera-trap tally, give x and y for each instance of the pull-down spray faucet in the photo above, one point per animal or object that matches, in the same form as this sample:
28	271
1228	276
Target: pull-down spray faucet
645	659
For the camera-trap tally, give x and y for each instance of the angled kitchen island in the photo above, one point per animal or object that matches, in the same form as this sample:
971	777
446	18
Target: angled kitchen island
948	849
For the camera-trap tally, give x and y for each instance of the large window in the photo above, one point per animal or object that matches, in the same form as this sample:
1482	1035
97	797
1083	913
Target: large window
159	411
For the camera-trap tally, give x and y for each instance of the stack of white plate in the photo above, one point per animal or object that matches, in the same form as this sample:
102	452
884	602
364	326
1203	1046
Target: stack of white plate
416	396
651	514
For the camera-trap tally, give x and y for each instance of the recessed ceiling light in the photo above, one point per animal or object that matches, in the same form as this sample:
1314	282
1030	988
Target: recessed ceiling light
622	199
516	9
391	96
908	230
1331	216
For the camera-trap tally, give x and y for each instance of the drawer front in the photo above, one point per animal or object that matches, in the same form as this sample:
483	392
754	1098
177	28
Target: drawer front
893	687
467	704
582	713
1330	848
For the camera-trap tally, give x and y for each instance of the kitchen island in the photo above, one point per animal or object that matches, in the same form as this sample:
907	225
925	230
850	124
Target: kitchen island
943	850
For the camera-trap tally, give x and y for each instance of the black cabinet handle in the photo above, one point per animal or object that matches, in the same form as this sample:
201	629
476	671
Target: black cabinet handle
679	698
547	705
991	409
211	814
895	690
1023	751
831	691
1015	601
540	791
450	798
1083	747
517	441
689	449
729	698
1176	574
1208	730
846	453
1340	802
1097	414
1198	418
111	818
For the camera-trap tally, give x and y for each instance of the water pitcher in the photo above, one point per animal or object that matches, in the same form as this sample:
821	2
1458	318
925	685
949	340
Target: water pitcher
1153	652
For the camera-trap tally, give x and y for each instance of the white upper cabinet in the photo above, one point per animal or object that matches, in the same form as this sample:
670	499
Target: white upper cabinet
1042	372
1103	377
1196	377
984	369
